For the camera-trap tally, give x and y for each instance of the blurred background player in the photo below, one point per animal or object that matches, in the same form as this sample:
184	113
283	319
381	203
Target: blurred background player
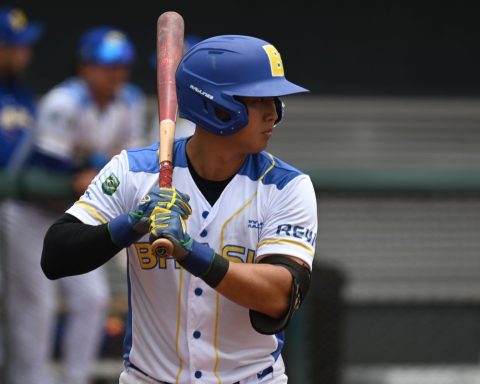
25	287
183	127
82	122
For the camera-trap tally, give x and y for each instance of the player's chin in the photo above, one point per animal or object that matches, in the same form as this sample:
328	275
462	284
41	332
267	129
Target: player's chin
259	147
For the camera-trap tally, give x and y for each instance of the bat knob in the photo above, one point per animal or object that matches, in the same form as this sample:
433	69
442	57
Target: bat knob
162	248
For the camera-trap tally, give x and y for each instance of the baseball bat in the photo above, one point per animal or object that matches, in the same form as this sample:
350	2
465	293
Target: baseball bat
170	31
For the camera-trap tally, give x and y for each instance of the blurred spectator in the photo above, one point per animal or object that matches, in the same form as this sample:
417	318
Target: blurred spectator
183	127
82	123
27	289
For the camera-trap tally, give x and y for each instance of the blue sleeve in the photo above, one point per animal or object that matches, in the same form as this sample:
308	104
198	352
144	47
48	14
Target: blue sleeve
41	160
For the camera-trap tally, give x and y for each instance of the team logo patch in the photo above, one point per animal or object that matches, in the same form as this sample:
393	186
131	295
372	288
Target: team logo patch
110	185
17	19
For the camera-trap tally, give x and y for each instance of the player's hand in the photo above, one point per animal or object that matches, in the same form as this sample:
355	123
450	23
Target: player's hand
174	200
165	198
129	227
197	258
171	225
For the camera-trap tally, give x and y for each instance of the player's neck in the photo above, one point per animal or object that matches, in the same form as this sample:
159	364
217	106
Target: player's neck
211	159
101	101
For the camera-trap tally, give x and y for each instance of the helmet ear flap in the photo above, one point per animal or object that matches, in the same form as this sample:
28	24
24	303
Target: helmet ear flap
280	107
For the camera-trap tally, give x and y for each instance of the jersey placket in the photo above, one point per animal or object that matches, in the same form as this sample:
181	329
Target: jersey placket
198	330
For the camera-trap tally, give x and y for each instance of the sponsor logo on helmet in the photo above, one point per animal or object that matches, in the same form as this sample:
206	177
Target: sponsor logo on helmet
276	64
201	92
17	19
115	37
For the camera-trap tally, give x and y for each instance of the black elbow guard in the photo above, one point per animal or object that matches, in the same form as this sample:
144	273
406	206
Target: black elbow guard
300	283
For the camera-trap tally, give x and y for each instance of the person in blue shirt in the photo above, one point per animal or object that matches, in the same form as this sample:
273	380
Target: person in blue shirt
17	108
28	347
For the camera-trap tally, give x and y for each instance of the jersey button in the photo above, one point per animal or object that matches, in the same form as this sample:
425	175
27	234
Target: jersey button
204	233
197	334
198	291
198	374
205	214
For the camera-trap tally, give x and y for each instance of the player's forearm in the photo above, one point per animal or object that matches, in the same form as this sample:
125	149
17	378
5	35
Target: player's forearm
73	248
262	287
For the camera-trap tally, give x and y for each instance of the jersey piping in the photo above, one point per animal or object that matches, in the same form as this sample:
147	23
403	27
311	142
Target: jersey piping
255	167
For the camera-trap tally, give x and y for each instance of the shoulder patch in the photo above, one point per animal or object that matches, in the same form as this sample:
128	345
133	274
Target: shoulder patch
110	185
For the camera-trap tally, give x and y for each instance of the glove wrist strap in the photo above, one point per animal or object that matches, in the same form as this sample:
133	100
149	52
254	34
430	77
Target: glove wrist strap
218	270
203	262
121	232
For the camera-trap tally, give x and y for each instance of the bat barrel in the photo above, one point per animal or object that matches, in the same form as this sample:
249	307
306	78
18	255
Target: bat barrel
170	30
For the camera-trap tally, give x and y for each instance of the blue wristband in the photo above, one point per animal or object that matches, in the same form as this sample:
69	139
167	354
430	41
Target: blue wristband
199	259
203	262
121	231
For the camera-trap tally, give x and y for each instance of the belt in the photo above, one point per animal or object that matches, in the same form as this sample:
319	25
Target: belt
260	375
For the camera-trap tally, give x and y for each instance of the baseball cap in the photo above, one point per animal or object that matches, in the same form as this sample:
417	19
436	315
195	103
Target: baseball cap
15	29
106	45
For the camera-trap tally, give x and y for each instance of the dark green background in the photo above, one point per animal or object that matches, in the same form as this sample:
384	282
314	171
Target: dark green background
421	47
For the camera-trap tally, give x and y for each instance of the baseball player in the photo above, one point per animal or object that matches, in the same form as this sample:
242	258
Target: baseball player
25	285
82	123
243	224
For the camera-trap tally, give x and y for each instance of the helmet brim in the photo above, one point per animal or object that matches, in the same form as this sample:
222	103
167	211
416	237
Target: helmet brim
267	88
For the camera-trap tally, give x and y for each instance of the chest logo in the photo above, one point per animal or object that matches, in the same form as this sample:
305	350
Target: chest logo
15	117
255	224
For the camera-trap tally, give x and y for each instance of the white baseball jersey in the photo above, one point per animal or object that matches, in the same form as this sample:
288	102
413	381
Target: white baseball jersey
179	329
70	123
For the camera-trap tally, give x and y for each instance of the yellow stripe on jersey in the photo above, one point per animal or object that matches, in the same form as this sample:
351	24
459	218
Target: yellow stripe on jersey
269	168
285	241
222	231
91	210
215	337
246	204
179	318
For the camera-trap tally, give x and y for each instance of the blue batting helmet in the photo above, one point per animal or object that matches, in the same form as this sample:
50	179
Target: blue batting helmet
106	46
216	70
15	28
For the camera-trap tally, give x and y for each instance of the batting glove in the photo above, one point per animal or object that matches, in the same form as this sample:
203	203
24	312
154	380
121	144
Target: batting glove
173	200
197	258
130	227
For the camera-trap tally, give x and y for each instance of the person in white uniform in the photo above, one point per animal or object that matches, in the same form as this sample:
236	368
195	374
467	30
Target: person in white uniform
243	224
23	287
82	123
